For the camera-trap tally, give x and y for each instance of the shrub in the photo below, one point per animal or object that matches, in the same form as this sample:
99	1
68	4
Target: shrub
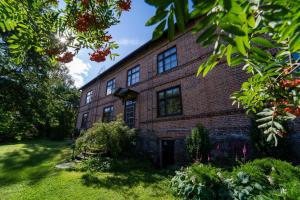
97	164
197	143
260	179
197	182
110	139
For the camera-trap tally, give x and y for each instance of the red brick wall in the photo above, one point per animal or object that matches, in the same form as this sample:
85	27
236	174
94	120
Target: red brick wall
203	99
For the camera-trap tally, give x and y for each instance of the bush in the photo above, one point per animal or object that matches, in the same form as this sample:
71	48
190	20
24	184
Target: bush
197	143
97	164
260	179
107	139
198	182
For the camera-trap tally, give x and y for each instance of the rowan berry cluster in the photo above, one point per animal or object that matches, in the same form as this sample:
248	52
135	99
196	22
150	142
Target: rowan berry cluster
99	55
84	22
66	57
124	5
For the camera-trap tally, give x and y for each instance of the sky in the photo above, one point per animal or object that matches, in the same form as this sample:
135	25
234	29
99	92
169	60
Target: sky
130	34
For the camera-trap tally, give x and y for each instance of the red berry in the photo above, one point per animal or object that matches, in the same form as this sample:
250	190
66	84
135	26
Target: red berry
124	5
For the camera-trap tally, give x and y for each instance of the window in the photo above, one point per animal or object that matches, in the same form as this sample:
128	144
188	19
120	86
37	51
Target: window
169	102
133	76
108	114
84	120
167	60
89	96
111	86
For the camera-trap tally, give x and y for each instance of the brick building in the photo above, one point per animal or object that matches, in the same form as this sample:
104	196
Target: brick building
157	91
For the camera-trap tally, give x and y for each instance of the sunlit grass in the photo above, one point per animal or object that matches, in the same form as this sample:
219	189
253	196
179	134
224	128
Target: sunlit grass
27	171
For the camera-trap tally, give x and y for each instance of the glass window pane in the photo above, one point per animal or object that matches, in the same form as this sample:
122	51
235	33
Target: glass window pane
161	95
173	106
161	108
173	50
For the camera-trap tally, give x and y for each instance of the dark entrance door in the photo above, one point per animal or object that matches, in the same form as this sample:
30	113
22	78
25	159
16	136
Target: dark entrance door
130	113
167	152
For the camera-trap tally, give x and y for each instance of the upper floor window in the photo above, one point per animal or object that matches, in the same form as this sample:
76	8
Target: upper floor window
108	114
84	120
133	76
111	86
169	102
167	60
89	97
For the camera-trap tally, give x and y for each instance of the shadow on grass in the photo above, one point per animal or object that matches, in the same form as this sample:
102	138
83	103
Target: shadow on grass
31	162
126	174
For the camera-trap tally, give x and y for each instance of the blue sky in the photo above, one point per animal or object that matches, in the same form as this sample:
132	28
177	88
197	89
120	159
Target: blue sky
130	33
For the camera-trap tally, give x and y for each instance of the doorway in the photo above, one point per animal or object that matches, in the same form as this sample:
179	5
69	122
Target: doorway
167	152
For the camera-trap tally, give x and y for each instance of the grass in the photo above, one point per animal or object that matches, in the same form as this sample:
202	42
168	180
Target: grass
27	171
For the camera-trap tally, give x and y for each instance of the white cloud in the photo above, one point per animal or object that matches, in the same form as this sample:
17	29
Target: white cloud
78	70
127	41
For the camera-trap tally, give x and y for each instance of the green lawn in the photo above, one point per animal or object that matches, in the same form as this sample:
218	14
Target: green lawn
27	171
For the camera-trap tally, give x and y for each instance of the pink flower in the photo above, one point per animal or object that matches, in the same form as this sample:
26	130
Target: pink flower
208	158
218	147
244	150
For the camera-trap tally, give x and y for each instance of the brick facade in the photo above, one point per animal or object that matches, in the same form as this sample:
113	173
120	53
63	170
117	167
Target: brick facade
206	100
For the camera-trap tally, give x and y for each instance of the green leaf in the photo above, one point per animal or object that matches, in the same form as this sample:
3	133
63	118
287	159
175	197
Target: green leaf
261	53
251	21
229	49
158	17
200	69
202	23
295	42
233	29
14	46
263	42
240	45
204	7
171	25
2	27
179	13
227	4
206	34
159	30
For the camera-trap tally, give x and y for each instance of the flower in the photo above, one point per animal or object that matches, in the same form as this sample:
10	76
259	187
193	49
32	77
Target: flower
244	150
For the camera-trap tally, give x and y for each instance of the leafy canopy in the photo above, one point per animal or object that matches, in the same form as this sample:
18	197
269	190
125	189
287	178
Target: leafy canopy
261	36
42	26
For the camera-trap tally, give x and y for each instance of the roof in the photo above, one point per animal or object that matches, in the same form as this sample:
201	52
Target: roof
122	61
132	55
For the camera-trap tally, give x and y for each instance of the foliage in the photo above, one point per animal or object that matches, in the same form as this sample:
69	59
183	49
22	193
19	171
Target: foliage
261	36
197	143
37	97
263	148
97	164
253	180
53	28
197	182
112	139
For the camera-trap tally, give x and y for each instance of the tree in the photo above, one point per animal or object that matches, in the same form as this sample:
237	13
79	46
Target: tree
41	26
37	37
262	36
